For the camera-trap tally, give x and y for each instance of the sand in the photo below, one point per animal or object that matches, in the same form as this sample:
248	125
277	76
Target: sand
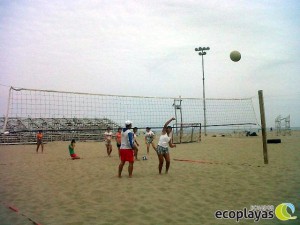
227	173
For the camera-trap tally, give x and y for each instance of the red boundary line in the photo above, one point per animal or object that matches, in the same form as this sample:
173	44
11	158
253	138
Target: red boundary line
212	162
15	209
196	161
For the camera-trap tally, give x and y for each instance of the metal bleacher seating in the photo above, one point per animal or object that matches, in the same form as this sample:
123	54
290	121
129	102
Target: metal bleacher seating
23	130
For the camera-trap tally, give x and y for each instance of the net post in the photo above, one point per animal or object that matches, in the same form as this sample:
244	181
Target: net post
263	126
199	139
7	110
181	128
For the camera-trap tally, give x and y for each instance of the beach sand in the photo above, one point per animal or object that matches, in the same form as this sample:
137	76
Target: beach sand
228	173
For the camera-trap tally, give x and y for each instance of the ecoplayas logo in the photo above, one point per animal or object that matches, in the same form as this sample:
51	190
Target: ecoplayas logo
258	212
282	213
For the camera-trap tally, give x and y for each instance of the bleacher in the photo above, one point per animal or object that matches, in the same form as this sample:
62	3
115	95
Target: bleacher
24	130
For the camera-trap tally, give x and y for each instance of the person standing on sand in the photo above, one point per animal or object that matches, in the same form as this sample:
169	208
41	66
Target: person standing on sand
71	150
39	141
107	137
149	137
118	139
127	149
162	150
135	129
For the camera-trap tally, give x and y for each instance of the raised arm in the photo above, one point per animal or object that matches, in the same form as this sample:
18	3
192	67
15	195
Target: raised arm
169	121
164	130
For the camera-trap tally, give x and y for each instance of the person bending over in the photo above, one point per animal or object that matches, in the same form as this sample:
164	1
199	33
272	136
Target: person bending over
71	150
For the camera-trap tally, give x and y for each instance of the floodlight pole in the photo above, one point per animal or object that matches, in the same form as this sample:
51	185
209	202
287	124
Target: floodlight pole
202	52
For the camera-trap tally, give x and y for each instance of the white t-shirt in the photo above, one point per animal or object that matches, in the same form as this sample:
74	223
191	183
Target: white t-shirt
164	140
149	134
108	135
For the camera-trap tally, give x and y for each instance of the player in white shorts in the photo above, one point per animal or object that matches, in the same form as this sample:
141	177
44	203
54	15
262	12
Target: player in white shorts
107	138
149	137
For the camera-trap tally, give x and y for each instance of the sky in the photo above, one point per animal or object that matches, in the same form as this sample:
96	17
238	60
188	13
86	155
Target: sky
147	48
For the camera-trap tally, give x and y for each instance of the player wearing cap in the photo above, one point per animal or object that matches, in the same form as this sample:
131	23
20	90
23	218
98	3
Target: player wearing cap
127	149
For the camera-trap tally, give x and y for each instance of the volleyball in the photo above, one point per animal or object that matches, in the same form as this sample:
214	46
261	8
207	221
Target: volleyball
235	56
144	157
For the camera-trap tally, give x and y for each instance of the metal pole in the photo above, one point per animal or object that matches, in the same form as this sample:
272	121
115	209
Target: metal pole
7	110
174	104
181	129
202	52
204	105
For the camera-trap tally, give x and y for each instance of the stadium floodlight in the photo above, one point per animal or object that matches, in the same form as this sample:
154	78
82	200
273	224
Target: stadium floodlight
202	52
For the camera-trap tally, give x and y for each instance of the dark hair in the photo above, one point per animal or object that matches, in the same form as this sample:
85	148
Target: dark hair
148	128
73	141
135	128
120	128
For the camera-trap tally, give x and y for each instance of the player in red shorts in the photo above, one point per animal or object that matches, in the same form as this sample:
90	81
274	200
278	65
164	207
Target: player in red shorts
127	149
71	150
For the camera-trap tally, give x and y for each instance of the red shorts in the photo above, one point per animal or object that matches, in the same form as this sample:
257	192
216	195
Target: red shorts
73	155
127	155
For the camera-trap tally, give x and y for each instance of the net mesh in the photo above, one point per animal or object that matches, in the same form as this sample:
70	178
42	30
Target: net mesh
143	111
31	109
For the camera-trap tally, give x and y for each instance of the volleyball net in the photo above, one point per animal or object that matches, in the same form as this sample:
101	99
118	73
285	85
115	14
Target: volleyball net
29	110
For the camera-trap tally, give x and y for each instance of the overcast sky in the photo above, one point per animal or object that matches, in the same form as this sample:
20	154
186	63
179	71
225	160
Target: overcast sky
147	48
